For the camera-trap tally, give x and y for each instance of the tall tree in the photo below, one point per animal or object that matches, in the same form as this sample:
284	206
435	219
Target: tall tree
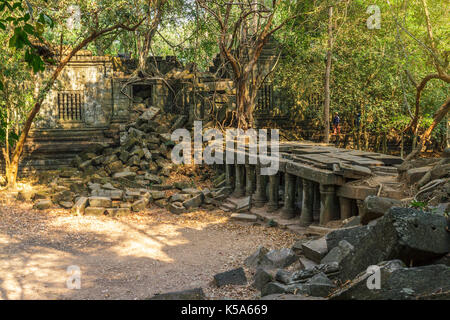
244	28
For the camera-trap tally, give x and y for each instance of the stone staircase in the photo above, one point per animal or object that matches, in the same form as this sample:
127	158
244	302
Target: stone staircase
51	149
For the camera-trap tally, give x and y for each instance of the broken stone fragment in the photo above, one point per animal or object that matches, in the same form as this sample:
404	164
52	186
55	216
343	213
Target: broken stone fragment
315	249
232	277
156	195
43	204
331	269
154	179
100	202
375	207
399	283
176	208
94	211
256	259
320	286
138	205
150	114
79	206
179	197
278	258
66	204
261	278
411	235
283	276
125	174
352	235
337	254
118	212
194	202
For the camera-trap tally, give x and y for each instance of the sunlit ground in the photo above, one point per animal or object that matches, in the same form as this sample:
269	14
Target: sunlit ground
126	258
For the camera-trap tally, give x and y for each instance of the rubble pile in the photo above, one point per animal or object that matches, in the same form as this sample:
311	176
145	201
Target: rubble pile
408	247
115	181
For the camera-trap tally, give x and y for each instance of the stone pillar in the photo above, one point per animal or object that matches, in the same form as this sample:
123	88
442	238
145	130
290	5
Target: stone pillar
354	208
273	193
250	177
229	175
288	211
346	207
239	190
316	206
328	204
261	182
306	217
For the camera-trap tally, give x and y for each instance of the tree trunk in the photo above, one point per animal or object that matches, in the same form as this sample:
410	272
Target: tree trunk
326	107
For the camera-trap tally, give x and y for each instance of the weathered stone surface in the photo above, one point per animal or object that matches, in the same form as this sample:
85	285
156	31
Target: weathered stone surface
66	204
337	254
241	204
244	217
410	235
194	202
192	294
273	288
415	174
400	283
315	249
375	207
256	259
96	201
150	114
125	174
138	205
179	197
355	192
235	277
79	206
331	269
279	258
283	276
156	195
176	208
152	178
42	204
352	235
94	211
320	286
118	212
262	277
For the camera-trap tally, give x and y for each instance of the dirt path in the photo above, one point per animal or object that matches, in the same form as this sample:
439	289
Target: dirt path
125	258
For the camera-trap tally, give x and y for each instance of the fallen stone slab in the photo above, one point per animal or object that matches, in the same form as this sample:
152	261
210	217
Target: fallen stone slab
283	276
415	174
374	207
320	286
157	195
256	259
66	204
315	249
124	175
139	205
179	197
176	208
118	212
330	270
43	204
241	203
399	283
97	201
282	258
352	235
261	278
411	235
94	211
337	254
149	114
79	206
194	202
277	288
244	217
191	294
234	277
